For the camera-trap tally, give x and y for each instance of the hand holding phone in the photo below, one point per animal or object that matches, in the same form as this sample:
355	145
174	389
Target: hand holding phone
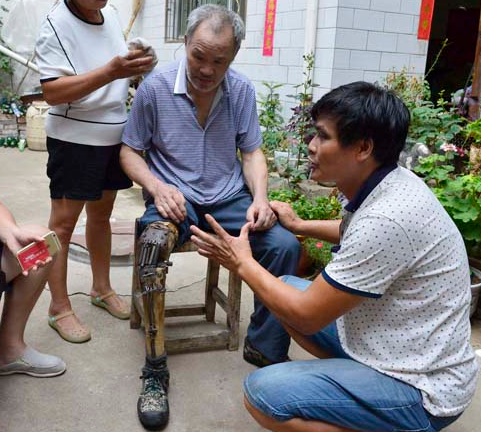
29	255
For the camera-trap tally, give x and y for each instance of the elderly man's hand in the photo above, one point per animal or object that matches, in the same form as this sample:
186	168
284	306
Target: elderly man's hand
229	251
286	215
170	202
260	215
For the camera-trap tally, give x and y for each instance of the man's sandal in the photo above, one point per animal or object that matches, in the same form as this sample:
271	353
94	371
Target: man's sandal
78	335
122	313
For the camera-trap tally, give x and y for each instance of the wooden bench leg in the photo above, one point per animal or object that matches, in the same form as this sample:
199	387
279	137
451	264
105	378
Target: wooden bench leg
211	282
233	316
135	317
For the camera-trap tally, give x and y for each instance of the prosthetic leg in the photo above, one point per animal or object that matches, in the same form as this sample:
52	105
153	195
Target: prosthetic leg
153	250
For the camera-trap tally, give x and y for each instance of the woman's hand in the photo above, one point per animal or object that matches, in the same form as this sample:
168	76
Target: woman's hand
20	237
135	63
286	215
229	251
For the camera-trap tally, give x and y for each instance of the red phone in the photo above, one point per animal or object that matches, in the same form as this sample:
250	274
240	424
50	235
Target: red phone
30	254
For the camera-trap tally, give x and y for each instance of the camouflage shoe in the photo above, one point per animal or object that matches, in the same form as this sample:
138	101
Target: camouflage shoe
153	403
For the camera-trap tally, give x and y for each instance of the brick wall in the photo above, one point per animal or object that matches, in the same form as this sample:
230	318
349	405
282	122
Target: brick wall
11	126
356	40
374	37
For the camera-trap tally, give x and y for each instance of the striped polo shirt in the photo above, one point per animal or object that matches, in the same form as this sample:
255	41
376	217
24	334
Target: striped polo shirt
201	162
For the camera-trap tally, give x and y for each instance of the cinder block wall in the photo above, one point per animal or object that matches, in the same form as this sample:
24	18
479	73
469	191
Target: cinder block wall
356	40
374	37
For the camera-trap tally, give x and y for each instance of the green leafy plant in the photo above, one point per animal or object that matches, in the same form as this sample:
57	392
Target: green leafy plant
271	120
318	251
270	107
435	125
10	102
300	127
431	123
320	208
460	195
435	168
411	89
473	131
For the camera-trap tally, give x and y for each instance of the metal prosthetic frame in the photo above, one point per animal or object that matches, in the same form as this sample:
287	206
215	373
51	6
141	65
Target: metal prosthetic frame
154	247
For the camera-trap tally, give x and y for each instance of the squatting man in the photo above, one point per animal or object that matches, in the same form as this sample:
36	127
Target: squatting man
388	318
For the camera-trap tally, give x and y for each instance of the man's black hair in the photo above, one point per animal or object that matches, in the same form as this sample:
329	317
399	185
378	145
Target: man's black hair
365	111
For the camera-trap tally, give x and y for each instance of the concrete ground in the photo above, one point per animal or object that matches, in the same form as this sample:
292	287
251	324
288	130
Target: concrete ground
100	388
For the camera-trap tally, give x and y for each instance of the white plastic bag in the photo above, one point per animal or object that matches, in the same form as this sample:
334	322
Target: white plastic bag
22	24
20	30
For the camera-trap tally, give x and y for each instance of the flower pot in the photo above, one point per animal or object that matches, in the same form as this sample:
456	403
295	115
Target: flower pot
304	266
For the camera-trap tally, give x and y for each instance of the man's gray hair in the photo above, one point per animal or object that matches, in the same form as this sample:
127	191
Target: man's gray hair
219	17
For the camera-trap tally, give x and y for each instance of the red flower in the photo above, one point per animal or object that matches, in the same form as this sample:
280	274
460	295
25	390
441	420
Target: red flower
319	245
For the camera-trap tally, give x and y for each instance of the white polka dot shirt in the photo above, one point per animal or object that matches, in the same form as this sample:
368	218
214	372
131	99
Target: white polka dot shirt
401	250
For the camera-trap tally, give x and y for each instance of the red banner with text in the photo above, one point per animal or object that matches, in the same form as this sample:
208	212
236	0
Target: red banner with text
425	19
269	27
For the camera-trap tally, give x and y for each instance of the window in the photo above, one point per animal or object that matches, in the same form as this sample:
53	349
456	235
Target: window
177	12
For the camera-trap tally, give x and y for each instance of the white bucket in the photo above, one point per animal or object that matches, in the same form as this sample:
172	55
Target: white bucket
36	136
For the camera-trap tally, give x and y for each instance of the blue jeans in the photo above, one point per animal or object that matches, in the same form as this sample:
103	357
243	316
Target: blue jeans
339	391
276	249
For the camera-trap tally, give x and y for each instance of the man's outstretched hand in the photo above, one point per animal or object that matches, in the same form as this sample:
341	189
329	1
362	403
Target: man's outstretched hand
229	251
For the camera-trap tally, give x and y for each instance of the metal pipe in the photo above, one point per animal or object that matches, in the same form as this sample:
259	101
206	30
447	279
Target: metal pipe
310	32
19	58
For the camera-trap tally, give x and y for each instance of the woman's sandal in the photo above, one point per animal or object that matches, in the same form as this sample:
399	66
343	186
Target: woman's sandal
118	312
79	335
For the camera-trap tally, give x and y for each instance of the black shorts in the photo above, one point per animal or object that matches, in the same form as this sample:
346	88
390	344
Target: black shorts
83	172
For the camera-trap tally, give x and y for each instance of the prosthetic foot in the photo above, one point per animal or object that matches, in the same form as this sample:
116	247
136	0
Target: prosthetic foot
153	403
155	245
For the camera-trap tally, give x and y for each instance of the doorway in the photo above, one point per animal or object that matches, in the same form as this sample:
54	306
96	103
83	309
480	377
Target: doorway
457	21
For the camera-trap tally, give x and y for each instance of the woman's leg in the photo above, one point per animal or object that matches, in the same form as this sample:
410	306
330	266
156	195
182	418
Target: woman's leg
19	303
63	218
99	244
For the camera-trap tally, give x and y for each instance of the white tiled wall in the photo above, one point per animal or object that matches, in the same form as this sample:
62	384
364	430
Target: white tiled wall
356	40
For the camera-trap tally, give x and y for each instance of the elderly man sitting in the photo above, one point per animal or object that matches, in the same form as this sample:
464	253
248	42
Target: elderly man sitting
191	118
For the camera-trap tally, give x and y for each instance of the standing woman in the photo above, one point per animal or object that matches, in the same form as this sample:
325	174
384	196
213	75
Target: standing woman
84	129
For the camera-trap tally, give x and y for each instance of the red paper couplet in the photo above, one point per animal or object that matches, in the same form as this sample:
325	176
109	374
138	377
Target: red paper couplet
269	27
425	19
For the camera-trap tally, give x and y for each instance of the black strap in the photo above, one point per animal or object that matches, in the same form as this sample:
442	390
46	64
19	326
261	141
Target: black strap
3	277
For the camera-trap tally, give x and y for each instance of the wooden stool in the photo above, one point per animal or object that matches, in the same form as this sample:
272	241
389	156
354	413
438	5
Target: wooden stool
216	336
